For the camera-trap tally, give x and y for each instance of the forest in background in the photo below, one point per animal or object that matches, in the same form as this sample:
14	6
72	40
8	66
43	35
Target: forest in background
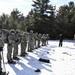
43	18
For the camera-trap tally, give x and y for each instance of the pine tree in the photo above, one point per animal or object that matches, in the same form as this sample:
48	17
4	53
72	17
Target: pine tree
44	14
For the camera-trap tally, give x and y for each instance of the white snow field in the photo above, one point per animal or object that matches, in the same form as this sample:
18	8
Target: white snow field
62	60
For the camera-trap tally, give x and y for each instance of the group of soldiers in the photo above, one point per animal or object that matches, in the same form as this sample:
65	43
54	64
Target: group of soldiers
28	42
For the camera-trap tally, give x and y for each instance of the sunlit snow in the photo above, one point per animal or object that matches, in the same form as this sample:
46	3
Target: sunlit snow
62	60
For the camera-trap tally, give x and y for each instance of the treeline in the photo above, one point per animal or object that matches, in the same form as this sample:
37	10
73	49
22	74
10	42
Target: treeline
43	18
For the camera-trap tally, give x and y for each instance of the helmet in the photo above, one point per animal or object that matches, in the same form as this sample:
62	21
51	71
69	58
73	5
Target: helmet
31	31
17	31
12	31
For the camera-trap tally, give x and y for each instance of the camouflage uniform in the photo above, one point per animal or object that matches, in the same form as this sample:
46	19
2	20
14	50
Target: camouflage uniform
24	41
31	41
39	40
1	49
47	38
17	42
43	40
11	42
35	40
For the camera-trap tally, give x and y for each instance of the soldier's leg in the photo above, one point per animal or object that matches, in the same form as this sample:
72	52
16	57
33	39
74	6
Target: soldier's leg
22	49
25	46
32	45
28	46
61	44
15	53
0	64
9	52
47	42
38	43
9	55
35	44
44	42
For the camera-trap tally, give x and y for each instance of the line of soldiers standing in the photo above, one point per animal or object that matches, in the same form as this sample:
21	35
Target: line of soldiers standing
29	42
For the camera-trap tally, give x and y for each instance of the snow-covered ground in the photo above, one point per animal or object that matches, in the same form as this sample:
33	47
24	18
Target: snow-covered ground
62	60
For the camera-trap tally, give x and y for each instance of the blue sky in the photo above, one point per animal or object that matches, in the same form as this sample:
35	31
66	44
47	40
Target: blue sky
6	6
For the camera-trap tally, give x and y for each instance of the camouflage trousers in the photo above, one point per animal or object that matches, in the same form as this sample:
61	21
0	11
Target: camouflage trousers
15	52
23	47
9	51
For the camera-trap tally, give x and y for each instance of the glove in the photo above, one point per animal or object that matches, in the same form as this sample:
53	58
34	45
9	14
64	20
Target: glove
1	48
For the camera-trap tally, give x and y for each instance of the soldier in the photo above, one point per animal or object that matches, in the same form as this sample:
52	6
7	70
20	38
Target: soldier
60	40
11	42
24	41
31	41
47	38
1	49
39	39
17	42
36	40
43	39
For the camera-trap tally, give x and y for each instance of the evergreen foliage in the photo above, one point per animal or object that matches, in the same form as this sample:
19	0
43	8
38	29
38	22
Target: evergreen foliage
43	18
